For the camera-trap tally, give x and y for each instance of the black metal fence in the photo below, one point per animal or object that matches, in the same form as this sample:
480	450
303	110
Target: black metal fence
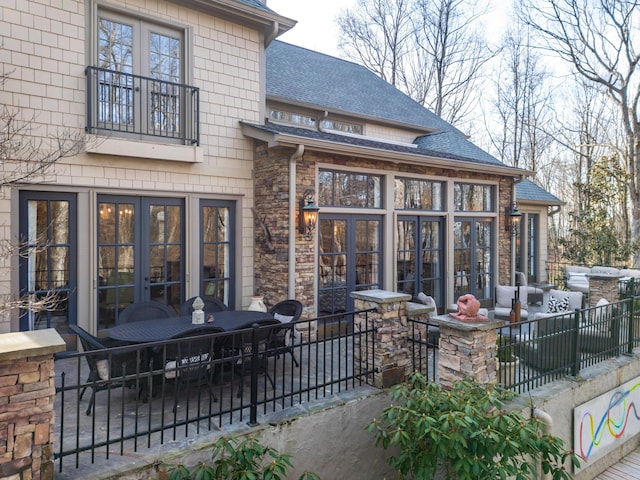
132	104
422	342
536	352
153	393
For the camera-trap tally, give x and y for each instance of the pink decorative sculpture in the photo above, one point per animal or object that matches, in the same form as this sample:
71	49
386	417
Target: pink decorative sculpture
468	307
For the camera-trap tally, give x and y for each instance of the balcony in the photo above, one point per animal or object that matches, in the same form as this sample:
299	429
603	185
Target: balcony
135	107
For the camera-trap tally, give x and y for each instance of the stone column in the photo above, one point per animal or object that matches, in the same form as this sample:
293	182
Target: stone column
466	350
388	326
603	286
27	393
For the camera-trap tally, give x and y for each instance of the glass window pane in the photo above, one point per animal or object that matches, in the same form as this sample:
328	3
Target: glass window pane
126	222
107	223
345	189
473	198
173	219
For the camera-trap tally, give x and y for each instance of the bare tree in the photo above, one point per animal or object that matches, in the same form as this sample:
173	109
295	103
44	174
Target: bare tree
523	104
26	158
599	39
376	34
427	48
450	54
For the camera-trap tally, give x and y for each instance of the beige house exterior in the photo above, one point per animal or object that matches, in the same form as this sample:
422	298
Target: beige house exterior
200	149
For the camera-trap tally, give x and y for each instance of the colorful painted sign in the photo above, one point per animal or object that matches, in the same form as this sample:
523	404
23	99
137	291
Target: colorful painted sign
602	424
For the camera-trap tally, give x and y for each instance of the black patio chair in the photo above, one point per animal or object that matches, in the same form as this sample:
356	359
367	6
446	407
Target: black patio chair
242	346
107	369
286	312
189	360
211	305
144	311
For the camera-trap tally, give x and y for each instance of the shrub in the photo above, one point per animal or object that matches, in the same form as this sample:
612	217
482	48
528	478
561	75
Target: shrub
466	433
240	459
505	349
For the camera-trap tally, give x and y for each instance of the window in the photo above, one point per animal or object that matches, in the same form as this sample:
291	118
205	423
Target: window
473	198
339	126
48	258
291	117
137	84
418	194
344	189
217	249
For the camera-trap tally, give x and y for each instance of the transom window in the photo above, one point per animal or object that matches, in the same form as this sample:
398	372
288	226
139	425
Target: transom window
340	126
291	117
346	189
473	198
418	194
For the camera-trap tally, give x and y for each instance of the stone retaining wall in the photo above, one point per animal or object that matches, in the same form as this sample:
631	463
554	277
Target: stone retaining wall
27	393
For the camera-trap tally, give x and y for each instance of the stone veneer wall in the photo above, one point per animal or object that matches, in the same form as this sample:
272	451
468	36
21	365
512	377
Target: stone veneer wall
27	393
271	193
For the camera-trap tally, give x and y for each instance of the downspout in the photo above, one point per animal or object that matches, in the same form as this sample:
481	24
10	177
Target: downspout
292	223
270	37
545	418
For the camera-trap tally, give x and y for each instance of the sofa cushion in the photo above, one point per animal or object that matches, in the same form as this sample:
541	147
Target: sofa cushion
557	305
602	270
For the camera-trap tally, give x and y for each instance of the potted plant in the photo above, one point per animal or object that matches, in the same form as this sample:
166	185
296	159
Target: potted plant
506	361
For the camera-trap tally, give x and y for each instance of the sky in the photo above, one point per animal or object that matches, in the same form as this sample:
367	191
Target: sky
316	28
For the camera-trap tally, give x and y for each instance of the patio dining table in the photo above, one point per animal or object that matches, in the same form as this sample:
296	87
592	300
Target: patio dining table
165	328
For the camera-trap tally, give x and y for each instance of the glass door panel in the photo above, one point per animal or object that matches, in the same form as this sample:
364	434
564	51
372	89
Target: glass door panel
419	256
473	262
47	260
217	250
349	259
116	259
140	254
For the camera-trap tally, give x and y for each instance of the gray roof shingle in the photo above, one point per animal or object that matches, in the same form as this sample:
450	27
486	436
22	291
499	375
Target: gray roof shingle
302	76
529	191
256	4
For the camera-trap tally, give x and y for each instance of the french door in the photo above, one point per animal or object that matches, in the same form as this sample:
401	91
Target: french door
420	252
473	259
140	253
48	258
350	259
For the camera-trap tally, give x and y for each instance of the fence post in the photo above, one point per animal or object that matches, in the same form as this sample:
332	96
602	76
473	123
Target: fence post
388	345
575	360
466	350
26	413
632	332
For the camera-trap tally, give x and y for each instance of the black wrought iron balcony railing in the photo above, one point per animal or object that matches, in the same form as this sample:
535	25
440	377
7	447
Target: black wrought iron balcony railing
133	105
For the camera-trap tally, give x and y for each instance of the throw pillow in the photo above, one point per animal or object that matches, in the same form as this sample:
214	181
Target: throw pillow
600	317
282	318
103	369
557	305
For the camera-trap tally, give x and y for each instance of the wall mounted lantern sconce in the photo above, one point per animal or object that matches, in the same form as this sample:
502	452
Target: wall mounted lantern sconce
308	214
512	219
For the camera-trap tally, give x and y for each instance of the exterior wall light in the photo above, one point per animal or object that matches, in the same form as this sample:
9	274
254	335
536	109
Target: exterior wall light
308	217
512	219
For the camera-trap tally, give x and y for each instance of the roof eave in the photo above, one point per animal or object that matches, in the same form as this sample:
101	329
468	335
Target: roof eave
240	12
284	140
